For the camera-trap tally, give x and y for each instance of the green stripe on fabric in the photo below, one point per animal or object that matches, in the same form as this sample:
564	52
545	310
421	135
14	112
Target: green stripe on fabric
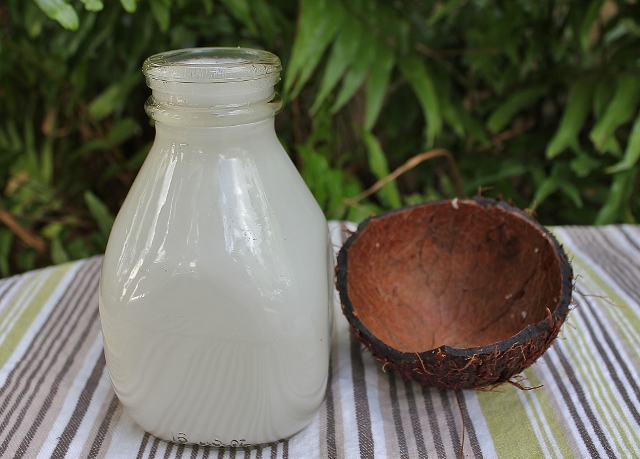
604	400
545	416
35	306
507	420
619	307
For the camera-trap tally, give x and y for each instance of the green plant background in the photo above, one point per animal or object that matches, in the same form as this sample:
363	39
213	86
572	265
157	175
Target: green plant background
532	100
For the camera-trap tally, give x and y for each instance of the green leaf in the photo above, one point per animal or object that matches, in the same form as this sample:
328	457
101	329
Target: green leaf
100	213
123	131
506	169
602	96
78	249
92	145
544	190
313	172
46	161
208	6
572	192
113	97
240	10
129	5
319	22
444	10
619	193
27	260
620	110
612	146
357	72
632	153
458	118
560	179
592	13
6	240
503	115
264	17
573	118
32	19
378	164
61	11
583	164
343	52
417	74
93	5
377	84
162	13
451	116
52	230
58	254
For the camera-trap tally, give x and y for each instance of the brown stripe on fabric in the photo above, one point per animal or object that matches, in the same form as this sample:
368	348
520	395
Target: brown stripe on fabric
623	270
433	421
451	421
617	260
205	452
52	392
7	285
285	449
468	425
221	452
415	420
81	306
18	375
104	428
259	453
617	264
330	436
630	235
93	322
363	415
194	452
39	342
168	450
81	409
586	438
274	451
154	448
143	445
630	239
631	383
397	417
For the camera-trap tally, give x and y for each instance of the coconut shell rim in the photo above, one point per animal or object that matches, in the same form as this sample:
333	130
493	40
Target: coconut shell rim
527	333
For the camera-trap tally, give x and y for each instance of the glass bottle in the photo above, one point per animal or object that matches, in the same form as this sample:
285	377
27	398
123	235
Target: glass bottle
216	288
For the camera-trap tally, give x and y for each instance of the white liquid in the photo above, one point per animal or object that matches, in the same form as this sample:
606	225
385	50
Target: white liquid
215	290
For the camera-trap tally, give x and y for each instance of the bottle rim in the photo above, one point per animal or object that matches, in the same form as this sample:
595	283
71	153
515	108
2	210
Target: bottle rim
212	65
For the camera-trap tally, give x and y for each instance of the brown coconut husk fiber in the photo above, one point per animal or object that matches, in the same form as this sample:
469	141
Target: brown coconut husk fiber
458	294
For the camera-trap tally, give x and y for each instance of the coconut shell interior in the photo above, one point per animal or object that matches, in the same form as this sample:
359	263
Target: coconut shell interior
453	273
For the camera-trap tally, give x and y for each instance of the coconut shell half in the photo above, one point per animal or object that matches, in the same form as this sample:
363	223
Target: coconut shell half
456	294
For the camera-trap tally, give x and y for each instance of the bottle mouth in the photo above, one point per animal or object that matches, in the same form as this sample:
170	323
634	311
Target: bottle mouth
212	65
212	86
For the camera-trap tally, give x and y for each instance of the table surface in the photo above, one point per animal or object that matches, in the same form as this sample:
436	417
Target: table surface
56	398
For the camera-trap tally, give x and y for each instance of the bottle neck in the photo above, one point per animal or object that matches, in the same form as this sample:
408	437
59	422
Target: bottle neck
212	104
212	87
204	136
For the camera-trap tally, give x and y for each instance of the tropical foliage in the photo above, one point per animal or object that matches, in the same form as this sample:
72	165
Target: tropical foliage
536	101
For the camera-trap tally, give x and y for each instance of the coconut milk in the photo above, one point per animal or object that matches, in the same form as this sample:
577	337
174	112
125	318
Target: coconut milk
216	287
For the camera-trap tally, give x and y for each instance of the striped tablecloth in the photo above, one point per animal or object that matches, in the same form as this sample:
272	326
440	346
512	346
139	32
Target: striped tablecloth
56	399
